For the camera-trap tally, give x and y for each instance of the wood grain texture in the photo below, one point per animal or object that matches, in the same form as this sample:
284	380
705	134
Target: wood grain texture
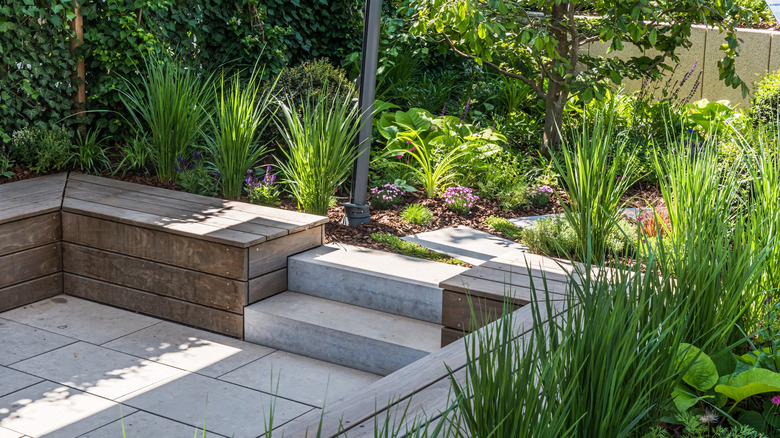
31	232
184	284
160	246
456	311
274	215
219	216
267	285
30	264
272	255
219	321
32	197
448	336
30	291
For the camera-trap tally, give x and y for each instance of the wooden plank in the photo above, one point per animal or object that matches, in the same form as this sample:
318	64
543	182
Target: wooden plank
30	264
513	278
159	246
219	321
217	215
276	214
51	184
537	272
183	284
349	413
495	290
456	311
29	209
30	291
266	286
27	233
158	222
253	233
272	255
448	336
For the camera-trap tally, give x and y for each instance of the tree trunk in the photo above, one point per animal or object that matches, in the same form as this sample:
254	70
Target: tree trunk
555	101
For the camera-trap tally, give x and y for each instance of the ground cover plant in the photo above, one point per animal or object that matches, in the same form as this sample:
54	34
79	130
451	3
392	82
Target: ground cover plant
415	250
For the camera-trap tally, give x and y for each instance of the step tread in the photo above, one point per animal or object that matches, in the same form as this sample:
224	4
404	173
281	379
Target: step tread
381	263
368	323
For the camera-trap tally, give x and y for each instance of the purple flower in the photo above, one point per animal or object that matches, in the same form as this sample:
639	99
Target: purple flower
444	109
196	155
400	157
466	111
180	159
776	400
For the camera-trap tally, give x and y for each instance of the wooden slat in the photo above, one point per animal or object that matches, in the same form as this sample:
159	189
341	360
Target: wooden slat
30	291
174	208
45	184
160	222
266	286
160	246
515	279
278	215
272	255
27	233
549	273
184	284
448	336
456	311
23	199
30	264
219	321
414	379
495	290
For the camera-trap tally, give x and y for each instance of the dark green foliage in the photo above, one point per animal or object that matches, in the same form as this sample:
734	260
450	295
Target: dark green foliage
312	78
766	99
196	179
42	150
136	155
35	64
89	153
6	162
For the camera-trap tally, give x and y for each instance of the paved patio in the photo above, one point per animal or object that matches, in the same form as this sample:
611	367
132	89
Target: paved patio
74	368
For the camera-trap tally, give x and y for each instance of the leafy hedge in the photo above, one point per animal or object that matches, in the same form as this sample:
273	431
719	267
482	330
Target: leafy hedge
36	63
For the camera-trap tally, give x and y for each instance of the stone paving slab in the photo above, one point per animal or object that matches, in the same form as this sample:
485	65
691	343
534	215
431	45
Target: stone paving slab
12	380
145	425
227	409
470	245
6	433
21	341
190	349
97	370
54	410
80	319
301	378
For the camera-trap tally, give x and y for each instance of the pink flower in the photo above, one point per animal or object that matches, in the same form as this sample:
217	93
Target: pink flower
407	162
776	399
400	156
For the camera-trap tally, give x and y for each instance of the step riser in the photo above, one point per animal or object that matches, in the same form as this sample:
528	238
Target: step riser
326	344
365	289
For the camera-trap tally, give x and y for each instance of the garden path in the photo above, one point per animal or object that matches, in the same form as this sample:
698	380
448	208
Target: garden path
75	368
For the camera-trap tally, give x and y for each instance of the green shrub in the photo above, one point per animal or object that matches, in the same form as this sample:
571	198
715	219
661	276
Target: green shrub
554	236
504	180
89	154
320	148
6	162
503	226
417	214
414	250
263	191
136	155
766	99
315	79
42	150
194	177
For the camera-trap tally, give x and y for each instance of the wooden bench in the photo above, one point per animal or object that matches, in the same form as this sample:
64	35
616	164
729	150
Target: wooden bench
485	288
30	235
183	257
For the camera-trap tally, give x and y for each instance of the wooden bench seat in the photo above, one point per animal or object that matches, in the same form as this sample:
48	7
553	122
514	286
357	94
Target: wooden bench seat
188	258
30	234
484	289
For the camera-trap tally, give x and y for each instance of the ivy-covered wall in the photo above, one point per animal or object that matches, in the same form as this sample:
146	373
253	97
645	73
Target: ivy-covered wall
36	63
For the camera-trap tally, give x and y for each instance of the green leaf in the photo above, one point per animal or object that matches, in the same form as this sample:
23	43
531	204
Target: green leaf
615	76
700	370
653	37
682	398
749	383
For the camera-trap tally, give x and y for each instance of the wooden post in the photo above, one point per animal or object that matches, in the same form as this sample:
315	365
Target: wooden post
77	24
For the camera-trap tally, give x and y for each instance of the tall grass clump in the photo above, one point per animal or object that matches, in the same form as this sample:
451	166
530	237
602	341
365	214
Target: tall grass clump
320	148
241	116
172	103
593	183
707	255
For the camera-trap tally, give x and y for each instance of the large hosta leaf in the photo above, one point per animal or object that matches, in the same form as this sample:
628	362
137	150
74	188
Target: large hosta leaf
700	370
749	383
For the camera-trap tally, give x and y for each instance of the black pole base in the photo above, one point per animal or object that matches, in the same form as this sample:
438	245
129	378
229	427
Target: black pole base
356	214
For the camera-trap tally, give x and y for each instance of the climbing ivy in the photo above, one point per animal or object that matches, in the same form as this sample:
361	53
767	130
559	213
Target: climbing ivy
35	65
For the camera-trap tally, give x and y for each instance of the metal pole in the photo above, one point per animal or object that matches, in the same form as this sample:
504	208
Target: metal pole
357	210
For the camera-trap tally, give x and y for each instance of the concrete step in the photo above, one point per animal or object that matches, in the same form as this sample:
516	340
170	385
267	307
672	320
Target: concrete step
356	337
470	245
377	280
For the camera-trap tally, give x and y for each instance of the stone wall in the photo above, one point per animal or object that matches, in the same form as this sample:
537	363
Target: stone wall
760	53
